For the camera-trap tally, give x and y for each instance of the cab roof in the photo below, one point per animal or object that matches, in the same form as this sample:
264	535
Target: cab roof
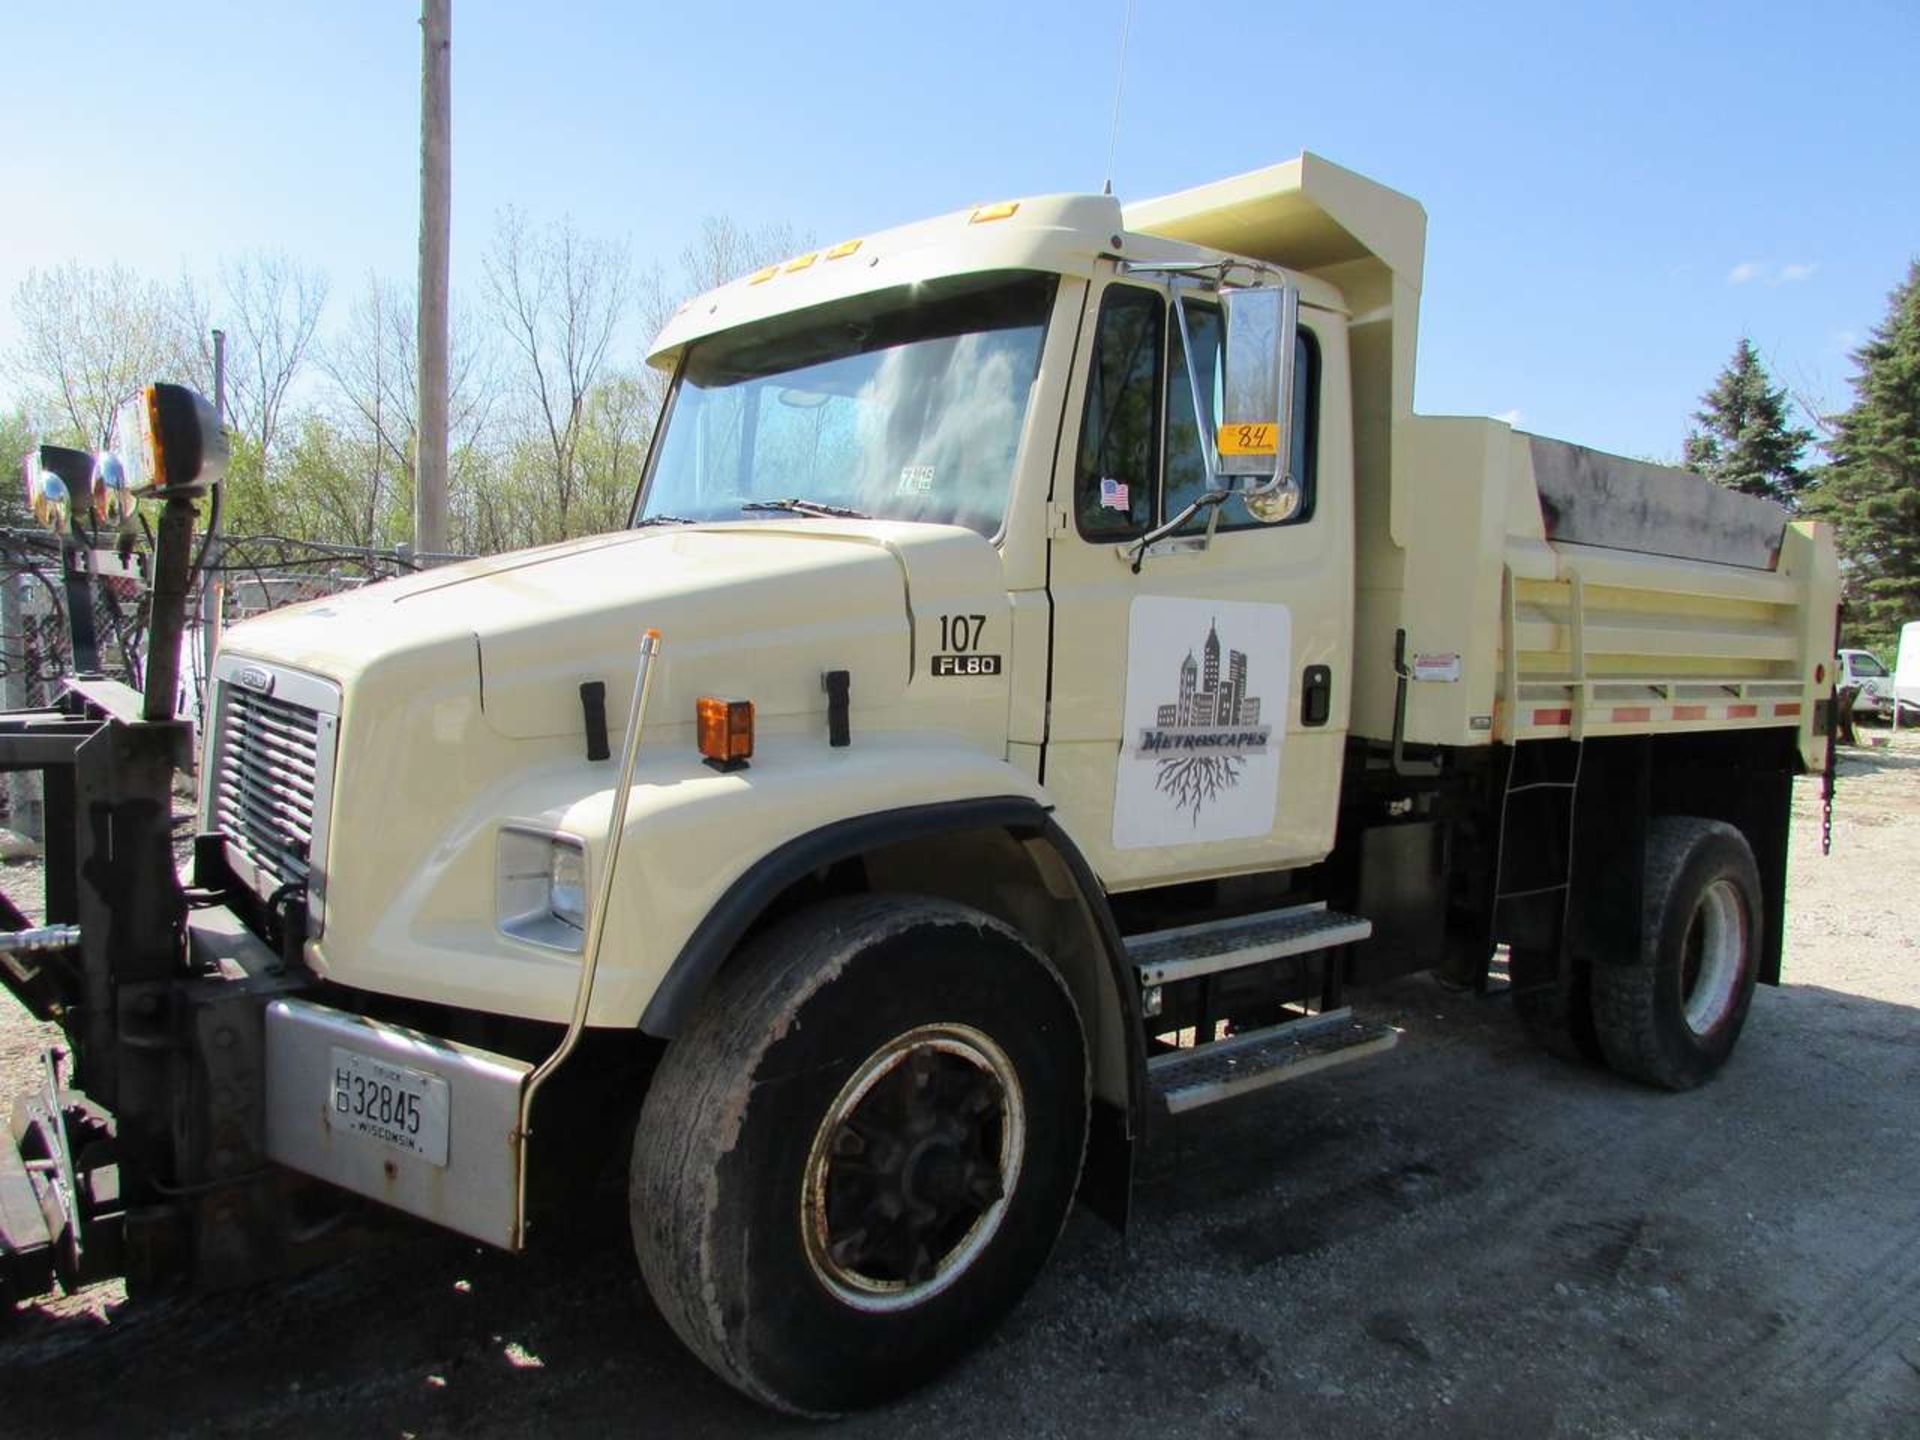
1066	234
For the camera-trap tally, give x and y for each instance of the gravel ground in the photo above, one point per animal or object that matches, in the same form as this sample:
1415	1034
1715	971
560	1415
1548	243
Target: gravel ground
1463	1237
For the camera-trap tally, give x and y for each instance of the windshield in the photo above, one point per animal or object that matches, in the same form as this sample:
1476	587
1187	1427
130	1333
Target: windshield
902	405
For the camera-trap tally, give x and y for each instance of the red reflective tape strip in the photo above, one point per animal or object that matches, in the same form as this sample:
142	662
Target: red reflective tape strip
1792	707
1553	717
1742	712
1689	712
1628	714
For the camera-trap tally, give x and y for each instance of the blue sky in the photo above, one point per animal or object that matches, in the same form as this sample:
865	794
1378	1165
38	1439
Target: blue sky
1614	194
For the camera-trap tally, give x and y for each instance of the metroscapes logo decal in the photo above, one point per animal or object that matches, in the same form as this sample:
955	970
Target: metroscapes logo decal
1201	759
1202	739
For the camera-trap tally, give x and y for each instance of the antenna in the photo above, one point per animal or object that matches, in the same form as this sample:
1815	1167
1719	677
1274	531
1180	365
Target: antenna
1119	92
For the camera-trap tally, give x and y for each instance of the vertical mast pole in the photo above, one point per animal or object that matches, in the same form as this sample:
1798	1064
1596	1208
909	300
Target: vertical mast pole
436	193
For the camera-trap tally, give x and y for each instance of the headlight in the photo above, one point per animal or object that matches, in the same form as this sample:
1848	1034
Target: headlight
567	883
541	888
170	442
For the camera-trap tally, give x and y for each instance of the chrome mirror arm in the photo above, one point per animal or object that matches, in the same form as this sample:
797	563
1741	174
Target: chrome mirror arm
1193	387
1213	498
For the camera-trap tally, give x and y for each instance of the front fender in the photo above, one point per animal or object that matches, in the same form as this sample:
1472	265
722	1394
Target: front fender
691	833
694	837
748	897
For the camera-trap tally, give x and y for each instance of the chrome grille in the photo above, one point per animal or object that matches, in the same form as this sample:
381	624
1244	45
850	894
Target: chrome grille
264	784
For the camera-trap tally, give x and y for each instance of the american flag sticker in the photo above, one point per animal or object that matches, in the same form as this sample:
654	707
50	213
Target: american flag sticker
1113	495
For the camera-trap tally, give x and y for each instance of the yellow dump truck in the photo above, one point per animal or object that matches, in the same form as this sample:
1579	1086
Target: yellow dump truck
1050	674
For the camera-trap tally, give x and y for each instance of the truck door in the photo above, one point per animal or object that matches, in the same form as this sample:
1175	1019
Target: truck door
1197	708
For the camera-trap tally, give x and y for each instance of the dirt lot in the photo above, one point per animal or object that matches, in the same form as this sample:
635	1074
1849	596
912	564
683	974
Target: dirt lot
1462	1238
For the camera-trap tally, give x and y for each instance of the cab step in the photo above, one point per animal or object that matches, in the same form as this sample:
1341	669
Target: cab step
1165	957
1207	1074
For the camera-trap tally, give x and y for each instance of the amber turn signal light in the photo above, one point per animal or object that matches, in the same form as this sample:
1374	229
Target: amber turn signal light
726	731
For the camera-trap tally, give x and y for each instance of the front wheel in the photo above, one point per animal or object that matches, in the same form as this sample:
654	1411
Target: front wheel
861	1151
1671	1015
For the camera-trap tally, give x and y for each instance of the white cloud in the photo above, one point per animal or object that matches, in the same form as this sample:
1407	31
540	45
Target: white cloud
1771	273
1512	417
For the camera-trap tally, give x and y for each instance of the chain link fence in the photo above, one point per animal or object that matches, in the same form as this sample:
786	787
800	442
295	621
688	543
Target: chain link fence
239	576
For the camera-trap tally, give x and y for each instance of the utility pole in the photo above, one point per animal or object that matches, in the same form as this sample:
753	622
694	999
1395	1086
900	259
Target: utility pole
220	376
436	194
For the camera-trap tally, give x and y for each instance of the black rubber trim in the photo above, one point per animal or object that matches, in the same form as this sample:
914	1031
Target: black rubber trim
720	933
837	683
593	711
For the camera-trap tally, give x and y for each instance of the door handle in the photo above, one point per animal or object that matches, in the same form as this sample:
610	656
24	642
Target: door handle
1316	695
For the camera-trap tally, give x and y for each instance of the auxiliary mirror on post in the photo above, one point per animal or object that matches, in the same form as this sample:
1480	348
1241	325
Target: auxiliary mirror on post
1256	410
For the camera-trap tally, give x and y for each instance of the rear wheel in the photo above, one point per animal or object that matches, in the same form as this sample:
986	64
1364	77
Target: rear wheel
861	1151
1672	1015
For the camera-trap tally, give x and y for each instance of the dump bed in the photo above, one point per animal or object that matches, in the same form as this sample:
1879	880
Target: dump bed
1584	594
1522	587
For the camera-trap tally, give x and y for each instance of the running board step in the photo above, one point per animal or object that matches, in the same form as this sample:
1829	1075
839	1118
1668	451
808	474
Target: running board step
1207	1074
1163	957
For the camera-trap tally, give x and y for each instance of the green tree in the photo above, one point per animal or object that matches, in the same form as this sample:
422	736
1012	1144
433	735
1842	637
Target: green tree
89	338
1871	491
1746	441
558	297
17	441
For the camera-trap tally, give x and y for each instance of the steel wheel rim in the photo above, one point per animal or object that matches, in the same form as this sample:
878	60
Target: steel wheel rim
1712	957
896	1214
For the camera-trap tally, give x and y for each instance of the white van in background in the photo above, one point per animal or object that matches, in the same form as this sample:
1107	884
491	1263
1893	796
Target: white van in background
1864	672
1906	672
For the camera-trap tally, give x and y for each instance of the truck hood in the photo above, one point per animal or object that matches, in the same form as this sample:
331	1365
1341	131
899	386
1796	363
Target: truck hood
756	610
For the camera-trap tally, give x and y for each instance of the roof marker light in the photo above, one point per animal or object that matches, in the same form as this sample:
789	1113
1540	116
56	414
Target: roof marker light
983	213
843	249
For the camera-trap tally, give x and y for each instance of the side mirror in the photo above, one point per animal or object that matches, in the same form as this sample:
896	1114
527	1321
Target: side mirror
59	482
1256	389
47	497
112	498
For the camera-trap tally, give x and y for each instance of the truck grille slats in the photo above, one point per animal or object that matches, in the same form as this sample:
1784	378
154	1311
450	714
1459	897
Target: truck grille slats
268	814
276	739
264	783
296	763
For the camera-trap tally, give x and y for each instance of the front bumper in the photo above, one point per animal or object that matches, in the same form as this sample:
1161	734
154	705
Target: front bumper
475	1191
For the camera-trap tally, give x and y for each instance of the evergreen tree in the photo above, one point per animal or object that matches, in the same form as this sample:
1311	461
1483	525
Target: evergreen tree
1745	441
1872	489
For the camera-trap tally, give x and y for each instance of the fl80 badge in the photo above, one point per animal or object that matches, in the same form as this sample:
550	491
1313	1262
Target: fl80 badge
960	653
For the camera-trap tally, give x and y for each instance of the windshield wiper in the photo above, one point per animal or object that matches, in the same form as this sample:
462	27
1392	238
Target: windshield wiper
796	506
662	520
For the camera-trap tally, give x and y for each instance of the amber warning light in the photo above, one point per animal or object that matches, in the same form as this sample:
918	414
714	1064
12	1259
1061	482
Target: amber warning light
726	731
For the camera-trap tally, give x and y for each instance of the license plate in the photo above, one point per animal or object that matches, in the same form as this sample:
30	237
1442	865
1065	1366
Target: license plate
404	1108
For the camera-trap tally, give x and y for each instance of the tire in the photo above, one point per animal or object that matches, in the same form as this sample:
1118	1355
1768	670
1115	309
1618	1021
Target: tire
1671	1016
861	1151
1561	1024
